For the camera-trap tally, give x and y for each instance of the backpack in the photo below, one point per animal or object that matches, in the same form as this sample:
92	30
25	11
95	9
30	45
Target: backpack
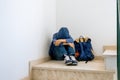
83	49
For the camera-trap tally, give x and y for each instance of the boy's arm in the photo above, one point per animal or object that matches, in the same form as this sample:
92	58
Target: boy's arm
69	40
59	41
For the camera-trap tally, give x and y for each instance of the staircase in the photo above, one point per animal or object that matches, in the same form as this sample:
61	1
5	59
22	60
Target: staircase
57	70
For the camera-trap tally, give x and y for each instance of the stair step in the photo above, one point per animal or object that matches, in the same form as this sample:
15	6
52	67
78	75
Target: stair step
57	70
81	65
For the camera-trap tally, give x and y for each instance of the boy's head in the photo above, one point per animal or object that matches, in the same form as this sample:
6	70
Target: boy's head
63	33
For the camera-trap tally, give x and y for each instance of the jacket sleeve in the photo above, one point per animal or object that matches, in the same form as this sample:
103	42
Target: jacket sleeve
70	40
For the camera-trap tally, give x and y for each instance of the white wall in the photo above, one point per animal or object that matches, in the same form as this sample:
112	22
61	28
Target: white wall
93	18
26	27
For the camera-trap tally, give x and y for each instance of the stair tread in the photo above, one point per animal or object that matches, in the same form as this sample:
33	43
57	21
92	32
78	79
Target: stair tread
95	65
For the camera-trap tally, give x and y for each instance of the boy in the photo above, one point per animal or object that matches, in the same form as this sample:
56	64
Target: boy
63	47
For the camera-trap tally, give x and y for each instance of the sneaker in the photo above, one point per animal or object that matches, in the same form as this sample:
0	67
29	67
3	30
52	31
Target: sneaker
74	61
68	61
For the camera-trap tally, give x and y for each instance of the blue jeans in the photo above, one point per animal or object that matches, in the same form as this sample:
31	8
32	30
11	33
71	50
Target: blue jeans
60	51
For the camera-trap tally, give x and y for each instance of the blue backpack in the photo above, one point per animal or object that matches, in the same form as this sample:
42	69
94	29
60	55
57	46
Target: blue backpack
83	49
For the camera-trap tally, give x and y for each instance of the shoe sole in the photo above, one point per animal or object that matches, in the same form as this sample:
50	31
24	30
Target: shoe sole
68	63
74	63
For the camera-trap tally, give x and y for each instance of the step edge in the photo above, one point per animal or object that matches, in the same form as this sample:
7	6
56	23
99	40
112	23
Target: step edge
76	70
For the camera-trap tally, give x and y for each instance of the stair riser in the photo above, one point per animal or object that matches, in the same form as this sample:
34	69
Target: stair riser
43	74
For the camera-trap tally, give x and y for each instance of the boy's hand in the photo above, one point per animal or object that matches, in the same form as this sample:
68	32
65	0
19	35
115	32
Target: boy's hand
57	42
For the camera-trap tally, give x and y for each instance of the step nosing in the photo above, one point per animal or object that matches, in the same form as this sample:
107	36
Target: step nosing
76	70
